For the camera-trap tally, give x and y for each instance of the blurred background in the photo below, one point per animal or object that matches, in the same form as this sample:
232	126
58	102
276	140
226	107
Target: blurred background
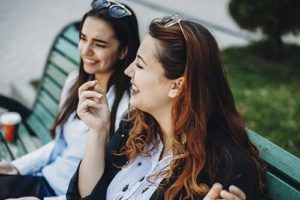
260	46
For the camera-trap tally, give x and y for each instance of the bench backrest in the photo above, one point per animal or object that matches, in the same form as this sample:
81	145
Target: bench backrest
283	169
62	59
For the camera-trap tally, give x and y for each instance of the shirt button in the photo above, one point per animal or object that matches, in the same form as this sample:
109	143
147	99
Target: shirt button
125	188
141	179
144	190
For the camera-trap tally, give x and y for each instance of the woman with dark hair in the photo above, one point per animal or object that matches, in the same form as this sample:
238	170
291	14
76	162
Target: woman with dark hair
109	40
182	134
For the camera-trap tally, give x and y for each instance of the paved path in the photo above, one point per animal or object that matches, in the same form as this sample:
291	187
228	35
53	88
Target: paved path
28	28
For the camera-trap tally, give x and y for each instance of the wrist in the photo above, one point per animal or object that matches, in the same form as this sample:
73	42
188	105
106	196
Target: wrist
100	134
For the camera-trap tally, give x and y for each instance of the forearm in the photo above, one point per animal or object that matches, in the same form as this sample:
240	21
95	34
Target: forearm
34	161
93	163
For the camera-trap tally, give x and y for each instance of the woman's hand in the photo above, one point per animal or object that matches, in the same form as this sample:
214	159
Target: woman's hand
92	108
8	168
217	193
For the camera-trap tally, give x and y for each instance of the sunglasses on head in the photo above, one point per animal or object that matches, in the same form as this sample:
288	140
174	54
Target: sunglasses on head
115	9
172	20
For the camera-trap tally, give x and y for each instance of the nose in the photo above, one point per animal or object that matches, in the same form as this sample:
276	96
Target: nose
129	71
86	49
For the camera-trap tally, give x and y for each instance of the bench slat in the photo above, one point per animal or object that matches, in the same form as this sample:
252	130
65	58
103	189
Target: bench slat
280	190
16	148
31	142
57	75
52	88
69	50
4	154
72	34
40	130
46	118
277	157
61	61
48	102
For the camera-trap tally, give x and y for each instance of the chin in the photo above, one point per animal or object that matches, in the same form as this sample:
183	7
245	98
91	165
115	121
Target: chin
89	70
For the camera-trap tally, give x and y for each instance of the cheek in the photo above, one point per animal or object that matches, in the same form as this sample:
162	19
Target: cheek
80	46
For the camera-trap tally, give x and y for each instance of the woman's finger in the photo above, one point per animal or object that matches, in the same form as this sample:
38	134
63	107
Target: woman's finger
214	192
88	103
87	86
88	94
237	191
226	195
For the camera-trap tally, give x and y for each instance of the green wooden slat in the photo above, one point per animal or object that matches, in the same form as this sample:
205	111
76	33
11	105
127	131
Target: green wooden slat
16	148
52	88
40	130
72	34
279	190
69	49
58	76
61	61
46	118
49	102
4	155
276	156
30	142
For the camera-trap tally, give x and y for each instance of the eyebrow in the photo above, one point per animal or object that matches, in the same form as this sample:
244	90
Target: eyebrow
95	39
141	58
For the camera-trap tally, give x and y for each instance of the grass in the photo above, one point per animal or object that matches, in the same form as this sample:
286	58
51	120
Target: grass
267	93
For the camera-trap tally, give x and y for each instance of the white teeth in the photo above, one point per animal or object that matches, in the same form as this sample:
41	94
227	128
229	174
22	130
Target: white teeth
88	61
135	89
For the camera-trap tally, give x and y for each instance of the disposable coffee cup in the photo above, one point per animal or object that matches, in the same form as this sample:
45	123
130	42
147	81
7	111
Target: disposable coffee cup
10	122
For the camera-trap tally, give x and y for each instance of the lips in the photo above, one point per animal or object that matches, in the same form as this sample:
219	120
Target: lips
89	61
135	89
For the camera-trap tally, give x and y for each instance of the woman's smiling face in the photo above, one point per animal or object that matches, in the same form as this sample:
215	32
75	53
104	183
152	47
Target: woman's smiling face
98	46
150	87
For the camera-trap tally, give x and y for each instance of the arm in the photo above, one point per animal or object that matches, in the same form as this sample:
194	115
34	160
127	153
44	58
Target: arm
30	163
94	112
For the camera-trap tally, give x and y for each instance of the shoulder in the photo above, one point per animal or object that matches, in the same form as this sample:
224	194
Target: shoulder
234	167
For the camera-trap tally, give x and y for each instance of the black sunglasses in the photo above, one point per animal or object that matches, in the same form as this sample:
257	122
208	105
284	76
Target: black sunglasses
115	9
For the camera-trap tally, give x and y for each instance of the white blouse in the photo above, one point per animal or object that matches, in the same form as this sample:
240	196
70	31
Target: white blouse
134	181
58	160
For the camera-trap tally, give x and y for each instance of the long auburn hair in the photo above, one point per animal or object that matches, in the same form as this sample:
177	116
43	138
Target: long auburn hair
126	31
205	102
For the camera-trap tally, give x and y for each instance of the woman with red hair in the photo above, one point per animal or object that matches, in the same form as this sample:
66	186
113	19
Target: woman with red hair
183	132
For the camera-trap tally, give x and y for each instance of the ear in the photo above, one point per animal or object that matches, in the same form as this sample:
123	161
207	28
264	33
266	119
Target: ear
123	53
176	87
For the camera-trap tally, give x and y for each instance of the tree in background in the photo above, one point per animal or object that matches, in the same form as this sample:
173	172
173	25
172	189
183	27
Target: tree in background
274	17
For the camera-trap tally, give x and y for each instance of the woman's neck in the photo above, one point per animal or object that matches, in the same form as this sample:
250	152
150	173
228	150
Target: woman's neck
103	79
164	120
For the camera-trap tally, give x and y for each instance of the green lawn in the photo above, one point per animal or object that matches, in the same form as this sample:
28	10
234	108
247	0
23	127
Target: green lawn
267	93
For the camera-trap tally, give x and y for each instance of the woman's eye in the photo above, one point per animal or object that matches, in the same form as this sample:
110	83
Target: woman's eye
100	45
82	38
139	66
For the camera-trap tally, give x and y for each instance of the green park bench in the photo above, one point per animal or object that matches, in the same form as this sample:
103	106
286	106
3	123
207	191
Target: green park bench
33	132
283	168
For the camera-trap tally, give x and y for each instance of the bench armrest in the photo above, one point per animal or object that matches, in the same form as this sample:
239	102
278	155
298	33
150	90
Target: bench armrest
15	106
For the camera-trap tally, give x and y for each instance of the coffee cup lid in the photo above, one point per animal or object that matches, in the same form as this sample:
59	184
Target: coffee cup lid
10	118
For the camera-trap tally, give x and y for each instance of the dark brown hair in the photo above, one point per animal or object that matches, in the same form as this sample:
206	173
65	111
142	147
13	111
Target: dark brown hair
126	31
